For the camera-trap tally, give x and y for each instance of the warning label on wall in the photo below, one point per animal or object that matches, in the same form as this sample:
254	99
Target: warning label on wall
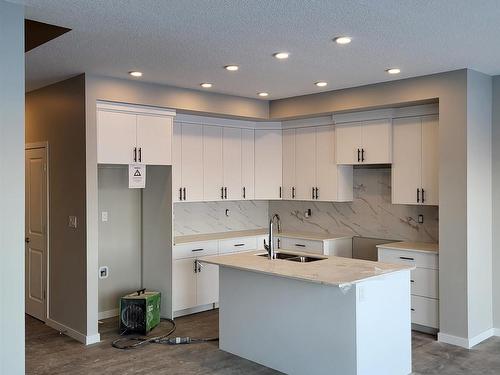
136	176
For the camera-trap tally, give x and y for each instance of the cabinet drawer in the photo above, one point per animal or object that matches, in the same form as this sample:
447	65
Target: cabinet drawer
237	244
301	245
425	311
195	249
413	258
424	282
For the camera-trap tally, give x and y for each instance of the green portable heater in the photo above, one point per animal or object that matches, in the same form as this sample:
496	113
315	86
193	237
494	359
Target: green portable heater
140	312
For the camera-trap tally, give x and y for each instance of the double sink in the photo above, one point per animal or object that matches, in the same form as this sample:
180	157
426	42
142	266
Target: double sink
293	257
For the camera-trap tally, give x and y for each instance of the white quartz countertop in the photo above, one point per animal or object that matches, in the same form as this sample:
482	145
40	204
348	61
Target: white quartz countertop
426	247
331	270
255	232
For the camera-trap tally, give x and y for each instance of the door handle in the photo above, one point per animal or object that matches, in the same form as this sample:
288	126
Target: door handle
358	156
135	154
184	191
423	195
418	195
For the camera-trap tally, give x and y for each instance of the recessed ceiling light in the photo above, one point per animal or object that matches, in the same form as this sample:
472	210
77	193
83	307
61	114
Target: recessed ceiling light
281	55
206	85
263	94
342	39
393	70
232	68
321	83
135	73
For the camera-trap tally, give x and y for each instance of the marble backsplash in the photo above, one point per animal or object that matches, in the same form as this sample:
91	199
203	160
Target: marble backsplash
210	217
371	214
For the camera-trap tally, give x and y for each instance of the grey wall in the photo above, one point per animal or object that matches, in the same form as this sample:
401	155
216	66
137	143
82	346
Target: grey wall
11	188
210	217
496	200
119	237
56	114
371	214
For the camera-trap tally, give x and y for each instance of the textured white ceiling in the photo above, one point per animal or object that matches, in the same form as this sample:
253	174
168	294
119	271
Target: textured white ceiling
185	42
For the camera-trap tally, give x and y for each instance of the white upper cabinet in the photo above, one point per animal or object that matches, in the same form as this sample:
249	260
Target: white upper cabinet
289	191
364	142
268	167
177	162
415	160
247	164
132	135
232	163
188	162
212	163
305	163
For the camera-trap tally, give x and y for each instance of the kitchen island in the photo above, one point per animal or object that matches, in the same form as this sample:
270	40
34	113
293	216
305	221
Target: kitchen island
329	315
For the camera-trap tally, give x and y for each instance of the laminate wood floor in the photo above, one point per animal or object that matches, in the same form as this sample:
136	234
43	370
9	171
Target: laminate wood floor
48	352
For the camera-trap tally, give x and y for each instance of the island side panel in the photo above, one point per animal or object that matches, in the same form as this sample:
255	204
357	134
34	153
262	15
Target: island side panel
383	325
293	326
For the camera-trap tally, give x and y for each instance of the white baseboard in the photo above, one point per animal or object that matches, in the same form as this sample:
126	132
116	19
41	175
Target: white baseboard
496	332
108	314
464	342
195	310
78	336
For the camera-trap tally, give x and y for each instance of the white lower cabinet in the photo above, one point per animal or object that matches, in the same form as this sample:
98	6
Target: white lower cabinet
341	247
207	284
184	284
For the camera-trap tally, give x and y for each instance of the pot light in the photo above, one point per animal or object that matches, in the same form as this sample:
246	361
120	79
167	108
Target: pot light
281	55
135	73
232	68
263	94
393	70
206	85
321	83
342	40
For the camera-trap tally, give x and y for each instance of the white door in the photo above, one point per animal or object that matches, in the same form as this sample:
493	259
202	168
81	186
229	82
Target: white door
231	150
406	160
192	162
268	171
430	159
305	163
377	142
177	162
289	164
207	284
348	142
154	139
326	168
247	164
116	137
183	284
36	233
213	180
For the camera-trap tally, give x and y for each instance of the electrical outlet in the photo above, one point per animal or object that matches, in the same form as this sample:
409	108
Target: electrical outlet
103	272
420	219
308	213
104	216
72	222
228	212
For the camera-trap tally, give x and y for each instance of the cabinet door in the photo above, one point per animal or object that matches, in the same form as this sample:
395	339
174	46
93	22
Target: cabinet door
177	162
430	160
326	168
192	161
116	137
406	163
247	164
305	163
207	284
154	139
231	151
212	163
183	284
348	142
268	171
289	164
377	142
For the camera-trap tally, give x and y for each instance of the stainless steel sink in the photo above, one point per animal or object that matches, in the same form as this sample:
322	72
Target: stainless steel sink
293	257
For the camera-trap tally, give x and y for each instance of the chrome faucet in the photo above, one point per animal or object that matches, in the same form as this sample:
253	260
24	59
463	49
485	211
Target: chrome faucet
270	247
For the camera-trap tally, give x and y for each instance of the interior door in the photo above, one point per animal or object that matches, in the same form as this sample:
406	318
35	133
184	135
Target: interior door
348	141
406	160
207	284
289	164
192	162
36	233
247	163
305	163
154	139
116	137
326	168
213	180
376	141
430	159
231	150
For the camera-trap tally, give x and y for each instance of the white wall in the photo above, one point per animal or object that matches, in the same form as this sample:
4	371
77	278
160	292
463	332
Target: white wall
496	200
11	189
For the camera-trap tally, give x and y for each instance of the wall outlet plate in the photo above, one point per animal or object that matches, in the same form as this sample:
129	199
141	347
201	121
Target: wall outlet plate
104	216
103	272
420	219
308	213
228	212
72	222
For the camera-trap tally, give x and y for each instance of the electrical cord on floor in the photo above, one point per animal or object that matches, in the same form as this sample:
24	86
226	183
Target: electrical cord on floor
126	343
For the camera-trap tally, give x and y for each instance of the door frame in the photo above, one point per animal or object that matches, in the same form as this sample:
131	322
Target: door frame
44	145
